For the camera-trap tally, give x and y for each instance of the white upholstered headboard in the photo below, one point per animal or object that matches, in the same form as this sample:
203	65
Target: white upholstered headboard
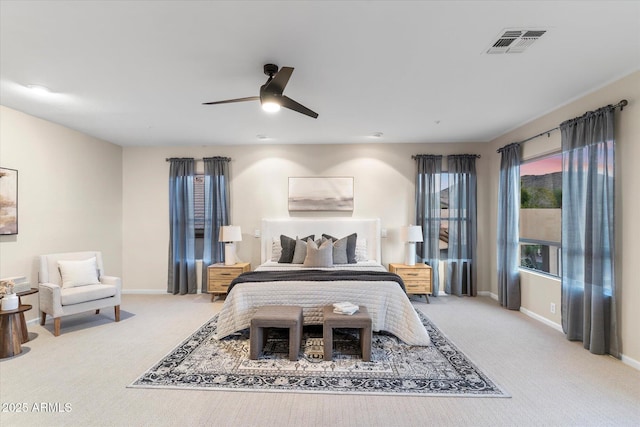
338	227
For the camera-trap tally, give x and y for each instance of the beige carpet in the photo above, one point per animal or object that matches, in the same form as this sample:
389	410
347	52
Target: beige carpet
81	376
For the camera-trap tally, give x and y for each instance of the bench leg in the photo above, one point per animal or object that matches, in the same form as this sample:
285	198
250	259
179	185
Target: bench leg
327	338
365	343
294	342
256	342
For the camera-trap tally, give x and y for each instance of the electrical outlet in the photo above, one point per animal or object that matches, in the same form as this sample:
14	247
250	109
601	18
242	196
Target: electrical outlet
553	308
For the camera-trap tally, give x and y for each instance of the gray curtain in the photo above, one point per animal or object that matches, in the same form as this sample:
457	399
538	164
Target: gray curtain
428	170
508	227
588	274
216	210
461	268
182	263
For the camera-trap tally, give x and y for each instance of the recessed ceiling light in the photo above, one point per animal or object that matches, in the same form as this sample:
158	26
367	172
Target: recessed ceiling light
260	136
377	135
39	89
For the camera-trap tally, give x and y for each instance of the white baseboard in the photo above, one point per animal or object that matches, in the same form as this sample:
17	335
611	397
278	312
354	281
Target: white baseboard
631	362
542	319
488	294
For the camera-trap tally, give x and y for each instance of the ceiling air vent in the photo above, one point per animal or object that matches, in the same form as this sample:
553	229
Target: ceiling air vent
514	40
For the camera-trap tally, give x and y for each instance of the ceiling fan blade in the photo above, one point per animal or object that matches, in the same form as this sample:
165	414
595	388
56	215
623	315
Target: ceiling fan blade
229	101
289	103
277	84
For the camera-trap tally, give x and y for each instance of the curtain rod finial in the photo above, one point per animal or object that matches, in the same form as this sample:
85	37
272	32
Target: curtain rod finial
623	104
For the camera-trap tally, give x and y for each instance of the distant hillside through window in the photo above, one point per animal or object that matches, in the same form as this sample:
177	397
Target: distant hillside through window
541	213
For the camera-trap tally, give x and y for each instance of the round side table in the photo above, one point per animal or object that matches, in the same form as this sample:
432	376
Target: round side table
11	333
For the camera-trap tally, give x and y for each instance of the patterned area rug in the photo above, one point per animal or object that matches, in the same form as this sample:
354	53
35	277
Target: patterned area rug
201	362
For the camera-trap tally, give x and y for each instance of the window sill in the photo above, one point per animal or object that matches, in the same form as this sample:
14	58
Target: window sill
540	274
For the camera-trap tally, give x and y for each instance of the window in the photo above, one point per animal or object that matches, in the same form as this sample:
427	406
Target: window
198	210
541	214
198	204
444	214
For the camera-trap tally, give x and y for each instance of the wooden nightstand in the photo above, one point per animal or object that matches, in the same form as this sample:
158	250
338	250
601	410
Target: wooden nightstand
417	278
219	277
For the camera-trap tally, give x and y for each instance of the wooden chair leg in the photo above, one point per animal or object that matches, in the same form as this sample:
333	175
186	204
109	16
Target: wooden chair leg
117	312
43	318
56	326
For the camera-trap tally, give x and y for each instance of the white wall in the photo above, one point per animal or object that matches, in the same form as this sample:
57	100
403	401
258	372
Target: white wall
69	195
538	292
383	180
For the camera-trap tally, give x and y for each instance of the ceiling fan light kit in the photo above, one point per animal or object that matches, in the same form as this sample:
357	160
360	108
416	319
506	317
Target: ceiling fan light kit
271	97
271	107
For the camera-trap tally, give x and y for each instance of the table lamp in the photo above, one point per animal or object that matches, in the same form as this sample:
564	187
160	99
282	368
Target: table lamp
411	235
230	234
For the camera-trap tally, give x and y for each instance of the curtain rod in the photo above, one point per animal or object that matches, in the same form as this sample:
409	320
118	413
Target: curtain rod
620	104
168	159
416	156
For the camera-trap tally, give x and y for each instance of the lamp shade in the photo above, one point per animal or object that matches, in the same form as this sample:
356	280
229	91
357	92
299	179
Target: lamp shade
230	233
411	233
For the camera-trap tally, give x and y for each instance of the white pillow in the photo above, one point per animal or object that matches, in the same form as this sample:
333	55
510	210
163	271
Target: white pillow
361	250
276	249
78	273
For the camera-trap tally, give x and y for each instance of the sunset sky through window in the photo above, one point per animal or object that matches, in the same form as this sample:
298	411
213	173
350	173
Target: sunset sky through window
542	166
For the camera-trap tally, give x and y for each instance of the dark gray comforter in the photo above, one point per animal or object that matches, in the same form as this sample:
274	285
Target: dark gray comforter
311	275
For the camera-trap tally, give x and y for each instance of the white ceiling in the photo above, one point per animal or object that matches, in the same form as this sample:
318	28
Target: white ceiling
136	72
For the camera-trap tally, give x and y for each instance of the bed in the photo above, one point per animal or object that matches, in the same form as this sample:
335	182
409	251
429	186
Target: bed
365	282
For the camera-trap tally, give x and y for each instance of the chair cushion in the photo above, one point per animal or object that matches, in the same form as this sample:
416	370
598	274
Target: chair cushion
80	294
78	273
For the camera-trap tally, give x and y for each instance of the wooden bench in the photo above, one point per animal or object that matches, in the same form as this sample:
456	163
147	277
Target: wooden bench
275	316
360	320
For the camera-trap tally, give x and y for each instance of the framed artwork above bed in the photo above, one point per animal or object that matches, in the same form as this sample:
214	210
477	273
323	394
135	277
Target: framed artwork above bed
321	194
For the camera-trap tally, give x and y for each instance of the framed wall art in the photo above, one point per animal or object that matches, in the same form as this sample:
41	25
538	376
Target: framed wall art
321	194
8	201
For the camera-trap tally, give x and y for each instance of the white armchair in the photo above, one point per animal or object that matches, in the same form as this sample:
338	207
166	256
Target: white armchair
71	287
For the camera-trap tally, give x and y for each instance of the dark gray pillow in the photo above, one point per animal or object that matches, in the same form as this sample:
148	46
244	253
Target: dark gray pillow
288	247
351	246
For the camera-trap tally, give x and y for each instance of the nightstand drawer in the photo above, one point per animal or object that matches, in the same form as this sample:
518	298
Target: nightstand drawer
218	287
416	288
419	274
218	275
